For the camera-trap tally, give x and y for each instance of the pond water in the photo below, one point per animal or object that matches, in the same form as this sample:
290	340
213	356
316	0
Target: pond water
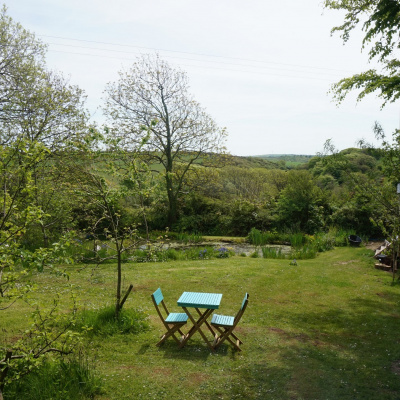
238	248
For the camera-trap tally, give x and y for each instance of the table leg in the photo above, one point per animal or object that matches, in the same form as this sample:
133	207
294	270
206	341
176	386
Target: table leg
206	322
197	326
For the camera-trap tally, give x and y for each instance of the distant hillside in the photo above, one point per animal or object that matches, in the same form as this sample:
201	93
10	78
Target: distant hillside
289	160
252	162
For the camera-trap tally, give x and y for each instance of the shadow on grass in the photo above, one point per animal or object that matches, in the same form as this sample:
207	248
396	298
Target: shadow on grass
333	354
143	349
192	351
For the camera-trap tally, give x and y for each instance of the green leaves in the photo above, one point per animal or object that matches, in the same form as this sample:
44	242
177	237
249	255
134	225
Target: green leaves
388	86
380	20
49	332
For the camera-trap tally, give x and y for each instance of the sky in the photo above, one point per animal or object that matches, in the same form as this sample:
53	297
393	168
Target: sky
262	69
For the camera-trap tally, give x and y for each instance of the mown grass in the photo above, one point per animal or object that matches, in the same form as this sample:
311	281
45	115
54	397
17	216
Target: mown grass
324	329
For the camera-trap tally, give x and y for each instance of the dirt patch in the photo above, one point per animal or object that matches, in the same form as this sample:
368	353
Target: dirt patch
155	319
301	337
130	367
164	371
142	287
198	378
396	367
187	269
373	245
383	295
346	262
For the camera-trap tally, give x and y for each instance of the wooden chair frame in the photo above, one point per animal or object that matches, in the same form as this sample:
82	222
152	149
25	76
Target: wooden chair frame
225	327
173	322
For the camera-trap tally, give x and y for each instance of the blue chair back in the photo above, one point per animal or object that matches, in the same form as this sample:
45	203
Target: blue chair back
158	296
246	296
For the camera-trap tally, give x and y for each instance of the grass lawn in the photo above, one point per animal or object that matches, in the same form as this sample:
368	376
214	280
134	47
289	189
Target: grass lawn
327	328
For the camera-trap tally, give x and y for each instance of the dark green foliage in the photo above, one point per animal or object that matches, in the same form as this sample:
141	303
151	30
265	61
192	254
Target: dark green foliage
200	214
364	161
302	205
243	217
355	214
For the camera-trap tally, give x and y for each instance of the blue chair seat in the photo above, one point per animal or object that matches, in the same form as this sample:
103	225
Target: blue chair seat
174	321
176	318
222	320
225	325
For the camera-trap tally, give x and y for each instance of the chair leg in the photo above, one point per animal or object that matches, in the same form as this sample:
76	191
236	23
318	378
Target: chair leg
171	332
225	335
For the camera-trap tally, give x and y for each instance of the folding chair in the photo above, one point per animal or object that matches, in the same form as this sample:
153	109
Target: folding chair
225	325
173	322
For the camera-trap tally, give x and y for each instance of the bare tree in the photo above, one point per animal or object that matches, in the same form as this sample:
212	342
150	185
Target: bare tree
150	106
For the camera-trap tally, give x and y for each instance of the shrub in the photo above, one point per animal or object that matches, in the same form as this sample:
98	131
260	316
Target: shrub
173	254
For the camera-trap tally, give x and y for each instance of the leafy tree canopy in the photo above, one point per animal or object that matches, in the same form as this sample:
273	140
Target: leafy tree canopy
380	22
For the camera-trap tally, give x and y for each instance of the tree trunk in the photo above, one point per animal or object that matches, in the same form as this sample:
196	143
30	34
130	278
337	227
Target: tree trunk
119	280
172	211
394	258
172	206
45	237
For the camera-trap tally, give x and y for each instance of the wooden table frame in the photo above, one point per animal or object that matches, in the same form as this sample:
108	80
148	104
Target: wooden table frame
198	301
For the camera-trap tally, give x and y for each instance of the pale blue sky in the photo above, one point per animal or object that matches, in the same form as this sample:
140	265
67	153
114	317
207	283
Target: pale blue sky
262	69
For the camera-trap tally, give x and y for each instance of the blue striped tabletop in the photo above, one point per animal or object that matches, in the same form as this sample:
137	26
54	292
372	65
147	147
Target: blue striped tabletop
200	300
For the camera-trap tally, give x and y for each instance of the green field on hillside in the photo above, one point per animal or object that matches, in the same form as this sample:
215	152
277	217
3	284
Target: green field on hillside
288	160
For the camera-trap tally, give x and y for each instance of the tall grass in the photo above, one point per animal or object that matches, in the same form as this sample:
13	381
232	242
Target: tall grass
304	246
297	240
259	238
73	378
341	235
189	238
88	252
303	253
102	322
273	252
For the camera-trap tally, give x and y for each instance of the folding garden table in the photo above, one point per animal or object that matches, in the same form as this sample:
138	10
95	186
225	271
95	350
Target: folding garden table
204	304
